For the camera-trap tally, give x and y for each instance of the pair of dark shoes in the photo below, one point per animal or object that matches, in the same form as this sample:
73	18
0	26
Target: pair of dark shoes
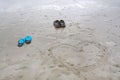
59	24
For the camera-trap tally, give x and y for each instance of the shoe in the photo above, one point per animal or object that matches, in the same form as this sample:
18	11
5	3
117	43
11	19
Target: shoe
57	24
21	42
62	24
28	39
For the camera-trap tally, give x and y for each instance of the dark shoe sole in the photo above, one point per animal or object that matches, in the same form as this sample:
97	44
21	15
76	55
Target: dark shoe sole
20	45
28	42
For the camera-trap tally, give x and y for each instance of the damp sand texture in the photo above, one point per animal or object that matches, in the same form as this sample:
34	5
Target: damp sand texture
88	48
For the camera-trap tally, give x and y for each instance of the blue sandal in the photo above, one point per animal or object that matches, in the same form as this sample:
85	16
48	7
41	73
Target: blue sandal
21	42
28	39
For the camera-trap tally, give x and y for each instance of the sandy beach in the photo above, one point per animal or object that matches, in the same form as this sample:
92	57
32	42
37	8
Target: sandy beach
88	48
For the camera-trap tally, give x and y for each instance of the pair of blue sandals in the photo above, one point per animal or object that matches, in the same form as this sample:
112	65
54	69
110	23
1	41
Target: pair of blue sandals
26	40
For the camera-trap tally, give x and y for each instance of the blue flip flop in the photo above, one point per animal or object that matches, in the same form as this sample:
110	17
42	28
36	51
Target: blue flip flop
21	42
28	39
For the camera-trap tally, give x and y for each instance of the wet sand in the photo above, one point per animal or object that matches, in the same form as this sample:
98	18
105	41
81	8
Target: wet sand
87	49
